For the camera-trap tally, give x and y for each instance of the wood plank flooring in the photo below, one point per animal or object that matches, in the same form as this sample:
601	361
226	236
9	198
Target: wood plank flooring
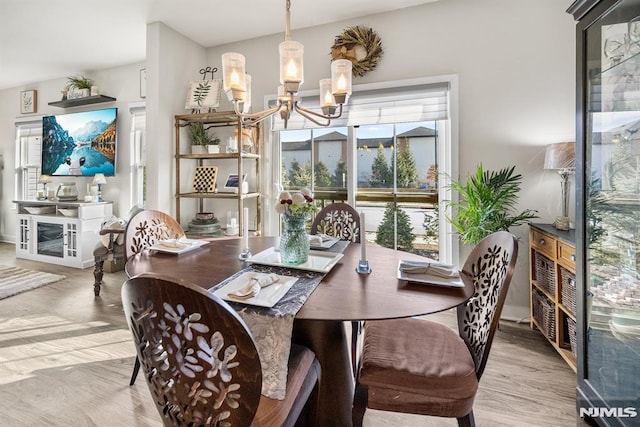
66	358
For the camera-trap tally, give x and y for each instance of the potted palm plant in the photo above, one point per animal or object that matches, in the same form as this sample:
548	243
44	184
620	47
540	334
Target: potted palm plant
486	204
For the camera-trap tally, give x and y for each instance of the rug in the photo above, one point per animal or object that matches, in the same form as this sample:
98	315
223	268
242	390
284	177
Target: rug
14	280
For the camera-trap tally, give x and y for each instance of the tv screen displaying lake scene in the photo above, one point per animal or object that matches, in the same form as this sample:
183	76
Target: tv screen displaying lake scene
79	144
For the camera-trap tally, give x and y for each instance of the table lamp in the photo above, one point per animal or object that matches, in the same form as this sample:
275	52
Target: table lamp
562	157
44	180
99	179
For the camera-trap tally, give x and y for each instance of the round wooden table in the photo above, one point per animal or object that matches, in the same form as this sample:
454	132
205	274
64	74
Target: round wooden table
342	295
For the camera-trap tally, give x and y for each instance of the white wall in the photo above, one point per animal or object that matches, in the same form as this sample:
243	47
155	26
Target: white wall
515	61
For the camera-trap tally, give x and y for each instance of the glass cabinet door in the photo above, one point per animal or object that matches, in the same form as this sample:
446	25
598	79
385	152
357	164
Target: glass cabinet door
611	222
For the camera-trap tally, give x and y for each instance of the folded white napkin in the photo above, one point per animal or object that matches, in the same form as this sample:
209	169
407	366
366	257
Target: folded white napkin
435	269
257	281
315	240
172	244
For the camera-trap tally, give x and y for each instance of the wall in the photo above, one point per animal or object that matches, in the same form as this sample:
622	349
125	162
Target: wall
515	62
516	66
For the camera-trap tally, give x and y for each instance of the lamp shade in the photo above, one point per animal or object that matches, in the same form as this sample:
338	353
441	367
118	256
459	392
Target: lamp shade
44	179
561	155
233	75
99	178
341	74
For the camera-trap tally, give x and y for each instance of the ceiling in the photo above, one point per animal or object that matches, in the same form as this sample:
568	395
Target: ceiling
44	39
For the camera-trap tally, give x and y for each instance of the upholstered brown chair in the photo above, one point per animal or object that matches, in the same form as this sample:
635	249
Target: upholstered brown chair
338	220
343	221
422	367
118	242
201	363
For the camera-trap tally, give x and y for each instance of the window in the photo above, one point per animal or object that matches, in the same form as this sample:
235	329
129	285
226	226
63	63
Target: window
28	155
138	157
389	155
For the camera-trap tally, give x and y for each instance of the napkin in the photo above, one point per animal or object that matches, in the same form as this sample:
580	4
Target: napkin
435	269
172	245
315	240
257	281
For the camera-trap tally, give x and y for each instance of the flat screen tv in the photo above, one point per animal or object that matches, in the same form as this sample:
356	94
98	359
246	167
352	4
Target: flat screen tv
79	144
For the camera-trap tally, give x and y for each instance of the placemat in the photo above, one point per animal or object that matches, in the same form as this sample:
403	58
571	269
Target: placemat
272	327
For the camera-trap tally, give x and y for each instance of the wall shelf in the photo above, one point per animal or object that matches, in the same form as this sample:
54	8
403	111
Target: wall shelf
95	99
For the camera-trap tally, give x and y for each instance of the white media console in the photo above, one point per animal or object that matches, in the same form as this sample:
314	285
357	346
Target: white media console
59	232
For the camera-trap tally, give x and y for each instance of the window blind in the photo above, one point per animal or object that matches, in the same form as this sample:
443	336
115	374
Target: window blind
413	103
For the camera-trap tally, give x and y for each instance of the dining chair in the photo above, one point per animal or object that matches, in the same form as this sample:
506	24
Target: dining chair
422	367
341	220
201	363
338	220
110	246
144	229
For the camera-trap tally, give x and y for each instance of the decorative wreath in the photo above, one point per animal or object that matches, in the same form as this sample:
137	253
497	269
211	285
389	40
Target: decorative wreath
361	45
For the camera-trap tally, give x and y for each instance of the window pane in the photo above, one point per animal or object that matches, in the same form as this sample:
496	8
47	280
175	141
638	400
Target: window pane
374	156
296	158
397	180
417	157
329	159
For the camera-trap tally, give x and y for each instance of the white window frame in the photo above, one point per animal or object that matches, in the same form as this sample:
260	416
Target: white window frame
138	154
447	160
28	146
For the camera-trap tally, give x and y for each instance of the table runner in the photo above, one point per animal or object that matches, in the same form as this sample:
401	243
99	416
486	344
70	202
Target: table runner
272	327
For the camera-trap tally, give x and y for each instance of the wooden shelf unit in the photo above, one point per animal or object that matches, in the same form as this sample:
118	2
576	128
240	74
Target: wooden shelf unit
214	120
552	291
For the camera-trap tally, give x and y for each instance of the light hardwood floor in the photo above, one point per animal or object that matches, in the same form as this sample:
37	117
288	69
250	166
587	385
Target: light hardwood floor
66	358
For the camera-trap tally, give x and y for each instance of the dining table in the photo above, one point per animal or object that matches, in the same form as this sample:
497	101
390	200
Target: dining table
342	295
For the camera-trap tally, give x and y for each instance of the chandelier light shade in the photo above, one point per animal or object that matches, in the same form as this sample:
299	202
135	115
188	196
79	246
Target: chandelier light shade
334	92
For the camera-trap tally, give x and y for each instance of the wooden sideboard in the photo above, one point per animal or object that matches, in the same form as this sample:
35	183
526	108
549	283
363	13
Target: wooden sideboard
552	279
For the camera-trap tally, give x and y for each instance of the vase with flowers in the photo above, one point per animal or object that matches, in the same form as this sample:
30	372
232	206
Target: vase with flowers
294	242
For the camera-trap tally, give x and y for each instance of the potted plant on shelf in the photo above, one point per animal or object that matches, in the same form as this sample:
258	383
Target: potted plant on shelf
214	145
200	138
78	87
486	204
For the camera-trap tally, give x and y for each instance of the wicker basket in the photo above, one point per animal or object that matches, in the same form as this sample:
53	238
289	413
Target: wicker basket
568	289
545	273
544	314
571	327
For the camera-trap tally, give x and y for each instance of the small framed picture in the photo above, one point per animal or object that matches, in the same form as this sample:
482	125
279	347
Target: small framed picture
28	101
203	94
143	83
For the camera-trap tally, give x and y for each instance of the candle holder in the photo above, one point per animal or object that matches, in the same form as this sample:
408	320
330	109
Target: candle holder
363	267
245	254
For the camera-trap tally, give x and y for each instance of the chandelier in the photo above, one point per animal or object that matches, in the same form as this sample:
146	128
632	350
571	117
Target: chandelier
334	92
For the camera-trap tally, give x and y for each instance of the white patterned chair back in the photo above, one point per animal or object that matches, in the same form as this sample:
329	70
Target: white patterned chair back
338	220
490	267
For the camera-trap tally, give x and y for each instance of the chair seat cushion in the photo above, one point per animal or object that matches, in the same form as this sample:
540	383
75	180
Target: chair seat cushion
302	376
417	363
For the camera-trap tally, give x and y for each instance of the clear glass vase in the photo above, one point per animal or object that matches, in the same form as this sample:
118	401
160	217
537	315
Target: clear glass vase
294	242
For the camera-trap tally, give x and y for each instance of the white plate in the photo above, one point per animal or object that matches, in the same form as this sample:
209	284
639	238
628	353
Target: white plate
177	247
422	278
326	244
318	261
267	297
